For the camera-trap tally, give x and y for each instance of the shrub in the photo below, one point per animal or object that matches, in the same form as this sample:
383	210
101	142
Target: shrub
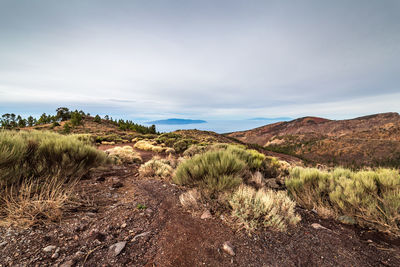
253	158
76	118
190	199
213	170
194	150
309	187
170	150
181	145
54	124
97	119
67	128
372	198
263	208
36	201
37	154
124	154
156	167
38	171
146	145
168	139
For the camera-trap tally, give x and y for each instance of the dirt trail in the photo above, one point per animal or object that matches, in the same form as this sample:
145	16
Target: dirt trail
164	234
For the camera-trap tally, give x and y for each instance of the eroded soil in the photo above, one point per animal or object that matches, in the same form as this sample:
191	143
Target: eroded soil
162	233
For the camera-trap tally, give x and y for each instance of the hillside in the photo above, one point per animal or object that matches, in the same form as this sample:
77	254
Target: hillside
370	140
144	217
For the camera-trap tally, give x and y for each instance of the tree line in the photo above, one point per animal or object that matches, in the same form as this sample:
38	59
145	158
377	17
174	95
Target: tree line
12	121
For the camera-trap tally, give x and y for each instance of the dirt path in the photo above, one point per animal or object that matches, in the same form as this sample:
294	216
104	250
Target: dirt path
162	233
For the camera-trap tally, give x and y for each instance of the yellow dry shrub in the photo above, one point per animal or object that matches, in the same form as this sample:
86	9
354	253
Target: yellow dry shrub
107	143
370	197
148	146
124	154
156	167
35	201
190	199
263	208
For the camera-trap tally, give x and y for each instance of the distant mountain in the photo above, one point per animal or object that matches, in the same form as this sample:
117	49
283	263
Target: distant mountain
174	121
271	119
370	140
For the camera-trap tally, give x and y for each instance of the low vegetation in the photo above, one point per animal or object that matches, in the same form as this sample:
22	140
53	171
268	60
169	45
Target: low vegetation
148	146
213	170
371	198
158	168
38	170
124	154
263	208
37	154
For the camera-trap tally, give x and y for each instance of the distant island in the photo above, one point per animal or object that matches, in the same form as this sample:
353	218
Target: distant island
176	122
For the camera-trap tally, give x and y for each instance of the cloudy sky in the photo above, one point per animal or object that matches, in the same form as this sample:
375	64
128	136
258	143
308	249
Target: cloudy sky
201	59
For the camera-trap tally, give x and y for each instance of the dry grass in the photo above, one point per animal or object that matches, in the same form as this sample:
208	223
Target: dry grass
149	146
263	208
38	171
157	168
190	199
124	154
35	201
214	171
41	154
372	198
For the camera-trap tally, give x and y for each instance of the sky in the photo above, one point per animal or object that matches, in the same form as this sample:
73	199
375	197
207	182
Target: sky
212	60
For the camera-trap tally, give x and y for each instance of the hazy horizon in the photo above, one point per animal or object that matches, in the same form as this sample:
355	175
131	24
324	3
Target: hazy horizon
207	60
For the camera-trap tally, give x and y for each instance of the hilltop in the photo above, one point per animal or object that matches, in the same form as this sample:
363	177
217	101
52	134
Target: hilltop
370	140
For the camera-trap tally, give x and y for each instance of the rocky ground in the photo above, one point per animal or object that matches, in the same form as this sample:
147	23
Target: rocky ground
125	220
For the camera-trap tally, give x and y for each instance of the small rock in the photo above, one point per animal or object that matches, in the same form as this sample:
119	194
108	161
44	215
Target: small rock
123	225
206	215
149	211
2	244
318	226
55	255
49	248
116	249
140	235
227	247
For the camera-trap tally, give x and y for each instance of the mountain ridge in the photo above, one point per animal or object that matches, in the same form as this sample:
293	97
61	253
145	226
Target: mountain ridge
371	140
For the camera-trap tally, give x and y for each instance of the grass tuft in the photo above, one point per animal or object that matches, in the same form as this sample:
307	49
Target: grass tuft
213	170
263	208
372	198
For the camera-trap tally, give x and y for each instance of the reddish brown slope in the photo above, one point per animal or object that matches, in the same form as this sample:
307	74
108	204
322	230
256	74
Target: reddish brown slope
369	140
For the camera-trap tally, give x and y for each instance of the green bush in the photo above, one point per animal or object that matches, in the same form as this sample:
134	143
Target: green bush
35	154
263	208
254	159
213	170
194	150
181	145
97	119
67	128
372	198
54	124
76	118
